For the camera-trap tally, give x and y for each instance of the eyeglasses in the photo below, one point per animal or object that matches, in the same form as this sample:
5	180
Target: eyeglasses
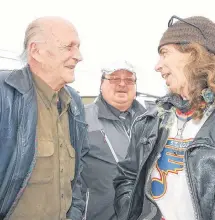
117	80
170	23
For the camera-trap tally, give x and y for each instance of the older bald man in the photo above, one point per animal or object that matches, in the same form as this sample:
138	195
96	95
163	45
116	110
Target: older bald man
42	128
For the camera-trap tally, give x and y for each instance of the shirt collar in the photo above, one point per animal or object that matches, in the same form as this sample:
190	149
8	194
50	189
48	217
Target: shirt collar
50	96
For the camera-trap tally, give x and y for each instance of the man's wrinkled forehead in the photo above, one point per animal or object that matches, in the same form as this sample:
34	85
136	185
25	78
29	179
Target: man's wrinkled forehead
60	31
167	48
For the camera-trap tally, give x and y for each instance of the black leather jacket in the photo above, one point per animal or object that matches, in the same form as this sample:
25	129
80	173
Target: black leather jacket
133	184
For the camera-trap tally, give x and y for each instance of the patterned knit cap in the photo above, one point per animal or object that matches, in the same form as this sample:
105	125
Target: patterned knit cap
193	29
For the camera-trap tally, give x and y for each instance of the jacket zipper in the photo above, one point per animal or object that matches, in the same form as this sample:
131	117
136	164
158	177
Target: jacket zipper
126	133
131	196
129	134
132	193
139	170
138	117
190	186
129	137
86	205
149	174
110	146
152	167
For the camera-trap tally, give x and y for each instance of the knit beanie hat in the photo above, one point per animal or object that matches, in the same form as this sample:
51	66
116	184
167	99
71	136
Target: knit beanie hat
194	29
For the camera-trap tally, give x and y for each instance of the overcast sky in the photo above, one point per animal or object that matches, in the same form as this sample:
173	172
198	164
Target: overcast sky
109	30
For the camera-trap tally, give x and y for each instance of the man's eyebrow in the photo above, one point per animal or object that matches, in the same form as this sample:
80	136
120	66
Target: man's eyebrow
71	44
162	50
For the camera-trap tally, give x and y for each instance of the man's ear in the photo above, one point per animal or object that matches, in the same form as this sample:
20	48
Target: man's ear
34	51
101	84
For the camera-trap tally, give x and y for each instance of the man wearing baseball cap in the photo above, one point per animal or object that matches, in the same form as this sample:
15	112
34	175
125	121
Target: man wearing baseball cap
110	119
169	172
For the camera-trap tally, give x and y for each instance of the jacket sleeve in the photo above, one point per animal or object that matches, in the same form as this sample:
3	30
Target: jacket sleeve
78	202
124	182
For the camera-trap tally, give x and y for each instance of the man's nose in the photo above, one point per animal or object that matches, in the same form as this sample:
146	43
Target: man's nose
77	55
158	66
122	82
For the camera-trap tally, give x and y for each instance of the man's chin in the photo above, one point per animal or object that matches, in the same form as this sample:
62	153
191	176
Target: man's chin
175	92
69	79
172	90
121	100
121	95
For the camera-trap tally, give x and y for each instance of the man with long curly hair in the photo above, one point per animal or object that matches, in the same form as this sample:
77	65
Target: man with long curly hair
169	171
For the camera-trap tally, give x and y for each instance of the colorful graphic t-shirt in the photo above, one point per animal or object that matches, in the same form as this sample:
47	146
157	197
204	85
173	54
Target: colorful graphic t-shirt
169	182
